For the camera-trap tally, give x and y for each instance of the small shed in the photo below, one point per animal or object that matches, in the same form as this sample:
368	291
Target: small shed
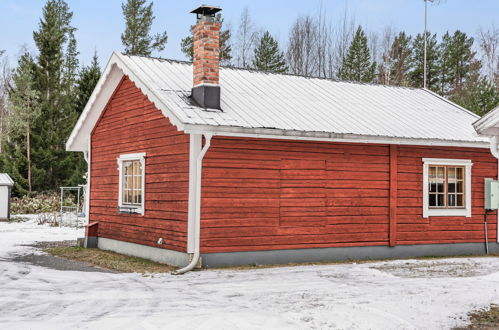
6	184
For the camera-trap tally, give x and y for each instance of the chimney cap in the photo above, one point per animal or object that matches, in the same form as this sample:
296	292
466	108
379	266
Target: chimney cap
206	10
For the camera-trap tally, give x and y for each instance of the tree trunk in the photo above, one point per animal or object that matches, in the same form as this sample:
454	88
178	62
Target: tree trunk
28	155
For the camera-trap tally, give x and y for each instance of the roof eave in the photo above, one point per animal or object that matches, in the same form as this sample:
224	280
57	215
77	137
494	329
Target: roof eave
488	125
272	133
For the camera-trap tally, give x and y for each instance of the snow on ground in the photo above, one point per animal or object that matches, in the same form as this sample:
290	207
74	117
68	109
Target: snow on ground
404	294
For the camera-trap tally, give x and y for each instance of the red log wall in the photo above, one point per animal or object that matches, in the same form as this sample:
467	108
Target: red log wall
263	194
130	123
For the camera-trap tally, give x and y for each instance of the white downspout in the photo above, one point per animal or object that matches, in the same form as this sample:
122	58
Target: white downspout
197	218
493	150
88	156
493	146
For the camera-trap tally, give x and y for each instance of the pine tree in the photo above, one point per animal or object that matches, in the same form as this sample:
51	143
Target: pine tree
399	55
55	76
479	96
138	20
187	44
88	78
357	65
432	62
24	103
458	63
267	56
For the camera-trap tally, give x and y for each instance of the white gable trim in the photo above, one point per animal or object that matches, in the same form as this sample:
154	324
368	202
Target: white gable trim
111	77
488	125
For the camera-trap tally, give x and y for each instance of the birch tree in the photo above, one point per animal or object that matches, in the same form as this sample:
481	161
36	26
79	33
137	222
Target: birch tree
246	39
385	64
343	35
488	41
302	47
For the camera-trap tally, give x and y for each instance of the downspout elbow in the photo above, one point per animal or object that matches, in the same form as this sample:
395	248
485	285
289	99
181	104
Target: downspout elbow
493	146
197	238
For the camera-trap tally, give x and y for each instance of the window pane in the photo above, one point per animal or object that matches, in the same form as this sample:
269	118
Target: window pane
451	173
440	187
129	196
441	172
451	187
440	200
433	187
460	200
127	166
460	173
137	167
137	182
433	172
452	200
460	187
433	200
139	196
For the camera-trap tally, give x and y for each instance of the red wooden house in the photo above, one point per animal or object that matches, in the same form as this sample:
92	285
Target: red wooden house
239	166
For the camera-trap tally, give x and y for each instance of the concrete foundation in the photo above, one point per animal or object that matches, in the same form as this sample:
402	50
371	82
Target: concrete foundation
90	242
164	256
343	253
181	259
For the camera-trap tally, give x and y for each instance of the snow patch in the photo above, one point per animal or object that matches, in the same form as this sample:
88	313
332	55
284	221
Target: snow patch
402	294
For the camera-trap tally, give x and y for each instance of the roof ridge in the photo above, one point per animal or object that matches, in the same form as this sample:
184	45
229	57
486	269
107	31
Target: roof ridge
232	67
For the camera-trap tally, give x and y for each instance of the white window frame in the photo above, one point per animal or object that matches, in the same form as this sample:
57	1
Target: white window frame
127	157
447	212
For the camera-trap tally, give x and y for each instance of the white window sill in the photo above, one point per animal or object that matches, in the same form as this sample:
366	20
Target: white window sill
448	213
125	209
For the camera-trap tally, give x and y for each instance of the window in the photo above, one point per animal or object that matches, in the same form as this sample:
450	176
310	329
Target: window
446	187
131	183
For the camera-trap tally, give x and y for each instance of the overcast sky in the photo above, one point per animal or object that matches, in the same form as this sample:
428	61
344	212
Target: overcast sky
100	22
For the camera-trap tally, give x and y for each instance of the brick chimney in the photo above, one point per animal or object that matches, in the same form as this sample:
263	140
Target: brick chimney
206	63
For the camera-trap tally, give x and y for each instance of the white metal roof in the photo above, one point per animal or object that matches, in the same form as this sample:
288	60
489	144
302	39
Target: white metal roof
5	180
293	106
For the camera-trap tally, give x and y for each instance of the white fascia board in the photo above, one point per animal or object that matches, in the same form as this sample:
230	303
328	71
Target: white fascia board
489	120
103	91
324	136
